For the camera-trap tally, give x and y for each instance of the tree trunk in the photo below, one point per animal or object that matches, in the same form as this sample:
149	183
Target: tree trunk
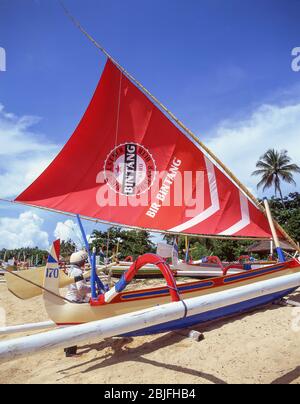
281	196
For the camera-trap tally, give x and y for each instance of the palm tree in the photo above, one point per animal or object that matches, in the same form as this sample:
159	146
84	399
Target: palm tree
274	167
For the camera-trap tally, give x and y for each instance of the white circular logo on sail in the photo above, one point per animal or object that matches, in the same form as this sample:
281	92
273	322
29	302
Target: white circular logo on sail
130	169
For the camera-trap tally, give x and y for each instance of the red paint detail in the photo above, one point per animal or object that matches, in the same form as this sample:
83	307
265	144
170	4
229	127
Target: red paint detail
56	246
99	302
244	258
217	282
216	260
140	263
294	263
235	266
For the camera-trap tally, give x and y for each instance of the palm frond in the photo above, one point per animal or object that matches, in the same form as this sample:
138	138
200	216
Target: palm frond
274	167
262	164
259	172
291	167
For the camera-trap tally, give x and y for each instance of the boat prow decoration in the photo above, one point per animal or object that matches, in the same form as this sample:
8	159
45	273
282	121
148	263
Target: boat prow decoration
128	276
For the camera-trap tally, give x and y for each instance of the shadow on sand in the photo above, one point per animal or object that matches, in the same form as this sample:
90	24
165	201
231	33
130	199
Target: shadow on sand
289	377
295	297
121	352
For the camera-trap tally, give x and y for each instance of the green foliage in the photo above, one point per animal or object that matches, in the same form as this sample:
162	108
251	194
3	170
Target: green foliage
288	216
67	248
128	242
273	168
35	255
226	250
231	250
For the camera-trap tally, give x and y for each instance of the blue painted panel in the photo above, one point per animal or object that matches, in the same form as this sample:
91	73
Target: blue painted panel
197	287
146	294
121	285
51	260
165	291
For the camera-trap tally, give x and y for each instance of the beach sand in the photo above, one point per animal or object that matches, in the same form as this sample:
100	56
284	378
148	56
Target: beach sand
261	347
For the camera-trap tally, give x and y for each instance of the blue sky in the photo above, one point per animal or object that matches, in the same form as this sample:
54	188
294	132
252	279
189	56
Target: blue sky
224	67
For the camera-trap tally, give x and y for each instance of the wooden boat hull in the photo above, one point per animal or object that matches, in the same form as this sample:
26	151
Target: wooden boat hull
63	313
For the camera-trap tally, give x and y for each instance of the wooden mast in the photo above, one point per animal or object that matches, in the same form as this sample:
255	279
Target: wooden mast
273	230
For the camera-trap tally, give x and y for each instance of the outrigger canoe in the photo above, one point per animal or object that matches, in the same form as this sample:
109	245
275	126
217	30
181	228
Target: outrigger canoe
117	301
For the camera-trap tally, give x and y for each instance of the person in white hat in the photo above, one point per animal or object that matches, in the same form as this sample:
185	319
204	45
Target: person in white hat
78	292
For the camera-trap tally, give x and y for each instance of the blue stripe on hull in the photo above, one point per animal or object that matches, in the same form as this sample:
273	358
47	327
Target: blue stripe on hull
202	284
181	289
211	315
251	274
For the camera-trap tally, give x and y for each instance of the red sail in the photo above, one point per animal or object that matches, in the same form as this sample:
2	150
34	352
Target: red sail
128	164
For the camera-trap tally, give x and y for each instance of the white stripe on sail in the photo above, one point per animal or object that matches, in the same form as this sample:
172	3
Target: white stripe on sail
245	221
215	207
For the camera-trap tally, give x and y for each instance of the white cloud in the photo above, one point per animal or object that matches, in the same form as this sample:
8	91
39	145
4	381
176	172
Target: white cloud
25	231
23	153
240	144
69	230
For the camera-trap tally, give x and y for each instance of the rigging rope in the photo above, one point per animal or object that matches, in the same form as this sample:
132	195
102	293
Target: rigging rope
42	287
79	238
38	286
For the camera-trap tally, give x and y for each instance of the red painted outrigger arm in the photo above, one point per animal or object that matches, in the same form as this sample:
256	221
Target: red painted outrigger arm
129	275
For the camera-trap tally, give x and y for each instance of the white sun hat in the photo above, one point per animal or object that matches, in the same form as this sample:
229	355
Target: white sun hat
78	257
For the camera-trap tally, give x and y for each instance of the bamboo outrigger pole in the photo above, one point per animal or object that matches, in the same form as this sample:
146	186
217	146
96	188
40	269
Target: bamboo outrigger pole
181	125
15	329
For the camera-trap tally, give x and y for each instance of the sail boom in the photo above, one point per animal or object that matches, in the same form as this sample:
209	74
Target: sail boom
155	231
